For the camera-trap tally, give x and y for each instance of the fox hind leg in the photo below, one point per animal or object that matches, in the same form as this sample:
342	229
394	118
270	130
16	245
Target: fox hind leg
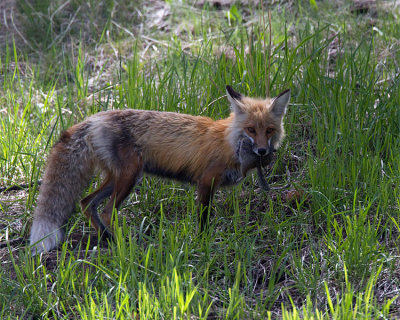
130	172
91	202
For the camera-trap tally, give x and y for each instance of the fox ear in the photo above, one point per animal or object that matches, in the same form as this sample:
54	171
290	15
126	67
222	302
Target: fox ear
279	105
235	98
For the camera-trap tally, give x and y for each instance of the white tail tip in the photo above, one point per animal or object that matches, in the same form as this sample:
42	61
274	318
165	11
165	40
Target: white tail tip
45	236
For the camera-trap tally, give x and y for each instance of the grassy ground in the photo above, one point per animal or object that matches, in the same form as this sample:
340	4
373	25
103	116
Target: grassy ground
327	247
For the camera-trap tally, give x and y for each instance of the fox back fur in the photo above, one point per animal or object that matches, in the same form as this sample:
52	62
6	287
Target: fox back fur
122	144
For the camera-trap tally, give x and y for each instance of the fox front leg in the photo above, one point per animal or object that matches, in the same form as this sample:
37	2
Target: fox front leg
205	192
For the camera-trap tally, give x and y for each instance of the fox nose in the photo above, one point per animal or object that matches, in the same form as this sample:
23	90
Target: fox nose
262	151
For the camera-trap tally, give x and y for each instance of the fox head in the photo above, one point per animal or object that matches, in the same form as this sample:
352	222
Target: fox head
259	119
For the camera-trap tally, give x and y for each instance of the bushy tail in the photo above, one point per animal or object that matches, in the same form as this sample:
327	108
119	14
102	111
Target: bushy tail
68	171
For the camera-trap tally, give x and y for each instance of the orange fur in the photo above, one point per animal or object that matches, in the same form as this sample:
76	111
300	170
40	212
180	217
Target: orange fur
125	143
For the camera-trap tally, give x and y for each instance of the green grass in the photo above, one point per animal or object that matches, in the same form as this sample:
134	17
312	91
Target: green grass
330	253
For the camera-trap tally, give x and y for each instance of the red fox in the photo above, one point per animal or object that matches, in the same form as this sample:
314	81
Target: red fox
122	144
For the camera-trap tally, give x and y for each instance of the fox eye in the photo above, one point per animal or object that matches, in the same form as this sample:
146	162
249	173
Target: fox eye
251	130
270	130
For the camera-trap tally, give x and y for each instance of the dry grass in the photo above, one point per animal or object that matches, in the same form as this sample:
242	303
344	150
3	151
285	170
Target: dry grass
285	242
